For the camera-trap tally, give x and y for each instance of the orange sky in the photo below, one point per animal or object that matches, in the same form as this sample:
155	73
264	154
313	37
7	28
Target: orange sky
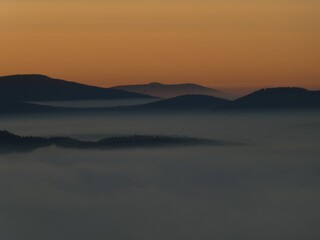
219	43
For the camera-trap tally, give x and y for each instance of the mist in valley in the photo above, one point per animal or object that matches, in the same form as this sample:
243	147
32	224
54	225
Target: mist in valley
96	103
267	188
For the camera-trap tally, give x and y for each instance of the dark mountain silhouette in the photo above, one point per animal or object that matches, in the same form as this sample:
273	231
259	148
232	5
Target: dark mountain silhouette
186	102
42	88
172	90
13	143
16	89
277	98
180	103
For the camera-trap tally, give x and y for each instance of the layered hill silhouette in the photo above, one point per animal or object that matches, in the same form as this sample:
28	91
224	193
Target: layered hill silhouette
18	88
10	143
264	99
277	98
172	90
185	102
180	103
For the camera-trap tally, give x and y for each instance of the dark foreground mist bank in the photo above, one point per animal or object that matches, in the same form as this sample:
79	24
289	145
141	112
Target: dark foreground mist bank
269	189
14	143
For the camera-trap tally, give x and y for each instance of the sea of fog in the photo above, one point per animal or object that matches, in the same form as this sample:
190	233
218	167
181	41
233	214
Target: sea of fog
268	188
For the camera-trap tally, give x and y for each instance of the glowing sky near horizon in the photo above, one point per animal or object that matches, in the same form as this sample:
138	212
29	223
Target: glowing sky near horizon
219	43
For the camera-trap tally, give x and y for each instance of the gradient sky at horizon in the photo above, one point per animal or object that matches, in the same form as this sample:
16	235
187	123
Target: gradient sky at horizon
230	43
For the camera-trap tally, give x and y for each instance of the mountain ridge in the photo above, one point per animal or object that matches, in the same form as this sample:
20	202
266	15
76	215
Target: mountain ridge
184	102
172	90
277	98
37	87
262	99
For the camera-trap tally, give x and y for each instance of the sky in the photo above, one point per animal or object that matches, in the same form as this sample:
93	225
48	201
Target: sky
218	43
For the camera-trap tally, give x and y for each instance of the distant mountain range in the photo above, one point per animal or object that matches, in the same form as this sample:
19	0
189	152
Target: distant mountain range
44	88
172	90
16	93
264	99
